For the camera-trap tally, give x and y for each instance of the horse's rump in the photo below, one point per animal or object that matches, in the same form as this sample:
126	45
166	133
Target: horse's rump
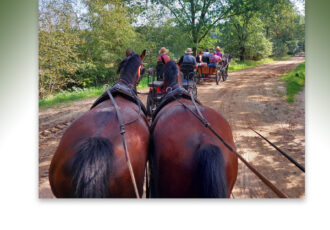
90	155
185	153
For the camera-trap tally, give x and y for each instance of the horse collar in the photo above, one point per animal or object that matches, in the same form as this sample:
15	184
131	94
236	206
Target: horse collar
126	83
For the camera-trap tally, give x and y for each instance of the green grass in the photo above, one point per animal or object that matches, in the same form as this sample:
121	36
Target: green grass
294	81
239	65
78	94
66	96
143	83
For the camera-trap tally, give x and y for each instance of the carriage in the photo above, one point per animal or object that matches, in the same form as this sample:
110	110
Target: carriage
205	72
156	88
156	84
189	75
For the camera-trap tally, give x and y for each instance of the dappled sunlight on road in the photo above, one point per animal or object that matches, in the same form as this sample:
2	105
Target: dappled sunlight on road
254	98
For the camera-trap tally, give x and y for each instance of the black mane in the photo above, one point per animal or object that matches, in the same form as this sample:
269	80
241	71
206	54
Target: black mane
171	73
128	68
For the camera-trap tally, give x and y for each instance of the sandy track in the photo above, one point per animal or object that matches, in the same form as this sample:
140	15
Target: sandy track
249	98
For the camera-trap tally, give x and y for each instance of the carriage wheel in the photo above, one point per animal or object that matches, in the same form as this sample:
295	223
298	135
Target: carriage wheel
198	79
217	77
224	75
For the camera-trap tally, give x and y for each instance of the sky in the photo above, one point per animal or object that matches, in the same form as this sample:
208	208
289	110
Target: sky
300	4
81	9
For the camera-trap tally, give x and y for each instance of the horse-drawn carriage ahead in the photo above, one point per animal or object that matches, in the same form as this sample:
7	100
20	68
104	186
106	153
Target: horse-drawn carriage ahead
156	90
156	84
206	72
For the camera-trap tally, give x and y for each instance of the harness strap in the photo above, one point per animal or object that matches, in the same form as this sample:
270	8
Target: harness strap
200	117
122	132
172	94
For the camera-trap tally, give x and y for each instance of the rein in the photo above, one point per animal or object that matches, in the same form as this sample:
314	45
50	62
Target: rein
122	132
200	117
302	168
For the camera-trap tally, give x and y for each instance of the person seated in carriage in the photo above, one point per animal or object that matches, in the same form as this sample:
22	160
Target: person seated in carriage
163	54
188	58
159	68
205	57
199	58
216	59
189	63
218	51
211	53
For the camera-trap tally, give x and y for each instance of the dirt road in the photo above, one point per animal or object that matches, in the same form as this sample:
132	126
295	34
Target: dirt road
249	98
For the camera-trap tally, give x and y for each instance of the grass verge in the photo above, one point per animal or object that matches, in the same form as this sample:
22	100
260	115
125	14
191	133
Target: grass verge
78	94
66	96
294	81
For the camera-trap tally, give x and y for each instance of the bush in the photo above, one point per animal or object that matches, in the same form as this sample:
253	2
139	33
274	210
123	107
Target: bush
280	49
258	47
292	47
90	74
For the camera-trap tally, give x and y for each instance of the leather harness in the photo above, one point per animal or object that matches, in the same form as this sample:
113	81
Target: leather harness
123	89
173	95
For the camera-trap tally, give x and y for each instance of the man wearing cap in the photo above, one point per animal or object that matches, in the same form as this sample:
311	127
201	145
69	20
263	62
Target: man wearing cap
188	58
163	51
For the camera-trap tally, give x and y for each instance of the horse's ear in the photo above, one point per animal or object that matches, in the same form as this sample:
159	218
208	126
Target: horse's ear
180	61
163	60
143	54
128	52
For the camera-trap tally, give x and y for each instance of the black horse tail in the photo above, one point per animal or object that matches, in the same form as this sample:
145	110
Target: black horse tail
211	175
91	168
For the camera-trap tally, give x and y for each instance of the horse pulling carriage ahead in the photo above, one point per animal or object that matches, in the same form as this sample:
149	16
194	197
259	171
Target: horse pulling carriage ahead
220	71
157	87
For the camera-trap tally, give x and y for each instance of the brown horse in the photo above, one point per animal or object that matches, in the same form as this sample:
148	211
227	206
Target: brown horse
90	159
186	159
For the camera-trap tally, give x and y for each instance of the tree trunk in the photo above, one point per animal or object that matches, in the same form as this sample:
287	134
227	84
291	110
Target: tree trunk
195	41
194	51
242	54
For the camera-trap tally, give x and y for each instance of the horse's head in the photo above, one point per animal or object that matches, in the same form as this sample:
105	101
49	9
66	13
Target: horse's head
131	68
180	61
228	57
172	75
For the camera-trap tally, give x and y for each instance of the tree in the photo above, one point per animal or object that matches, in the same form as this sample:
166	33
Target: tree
240	27
58	46
268	23
198	18
284	27
110	30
